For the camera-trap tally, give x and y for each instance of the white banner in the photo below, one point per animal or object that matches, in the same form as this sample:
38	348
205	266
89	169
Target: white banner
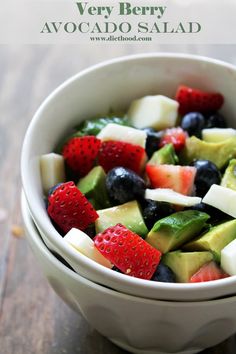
163	21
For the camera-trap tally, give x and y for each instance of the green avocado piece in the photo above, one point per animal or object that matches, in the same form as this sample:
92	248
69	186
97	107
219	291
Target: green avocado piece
215	239
229	177
127	214
164	156
185	264
219	153
174	230
93	186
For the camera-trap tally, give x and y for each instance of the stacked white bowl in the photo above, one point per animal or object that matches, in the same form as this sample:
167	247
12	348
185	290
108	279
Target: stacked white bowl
140	316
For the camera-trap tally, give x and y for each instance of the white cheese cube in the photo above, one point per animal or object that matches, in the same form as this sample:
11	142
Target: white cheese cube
158	112
221	198
228	258
170	196
52	170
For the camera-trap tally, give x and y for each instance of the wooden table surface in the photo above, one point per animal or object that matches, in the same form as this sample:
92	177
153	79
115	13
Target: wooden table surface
32	318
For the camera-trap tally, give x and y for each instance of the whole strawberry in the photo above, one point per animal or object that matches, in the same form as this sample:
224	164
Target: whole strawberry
194	100
128	251
69	208
119	153
80	154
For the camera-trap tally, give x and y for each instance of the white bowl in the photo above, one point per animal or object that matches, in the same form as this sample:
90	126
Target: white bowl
114	84
139	325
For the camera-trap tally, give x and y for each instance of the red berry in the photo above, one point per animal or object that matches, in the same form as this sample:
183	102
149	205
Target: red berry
194	100
119	153
209	271
178	178
128	251
176	136
80	154
68	208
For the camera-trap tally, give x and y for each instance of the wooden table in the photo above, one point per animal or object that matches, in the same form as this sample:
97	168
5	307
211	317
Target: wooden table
32	318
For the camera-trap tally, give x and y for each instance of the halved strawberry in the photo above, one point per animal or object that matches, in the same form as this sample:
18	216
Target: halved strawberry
80	154
119	153
176	136
178	178
209	271
128	251
194	100
69	208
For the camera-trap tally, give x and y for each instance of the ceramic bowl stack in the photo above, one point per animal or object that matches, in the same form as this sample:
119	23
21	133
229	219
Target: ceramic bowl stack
141	316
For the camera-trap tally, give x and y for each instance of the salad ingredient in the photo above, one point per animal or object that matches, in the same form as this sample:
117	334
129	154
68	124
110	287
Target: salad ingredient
170	196
164	156
215	239
229	177
158	112
178	178
119	153
195	100
175	136
153	211
130	215
209	271
69	208
216	135
152	141
216	215
128	251
215	120
85	245
185	264
52	170
163	274
80	154
117	132
218	153
95	125
124	185
193	123
93	186
221	198
176	229
207	174
228	258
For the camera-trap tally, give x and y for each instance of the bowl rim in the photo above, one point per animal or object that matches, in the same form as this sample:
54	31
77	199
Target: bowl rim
55	237
34	236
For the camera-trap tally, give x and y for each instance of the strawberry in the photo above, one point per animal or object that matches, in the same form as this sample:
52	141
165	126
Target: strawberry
176	136
128	251
69	208
178	178
209	271
119	153
80	154
194	100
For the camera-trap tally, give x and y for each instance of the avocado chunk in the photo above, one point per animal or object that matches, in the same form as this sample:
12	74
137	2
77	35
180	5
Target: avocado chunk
174	230
164	156
185	264
93	186
215	239
219	153
127	214
229	177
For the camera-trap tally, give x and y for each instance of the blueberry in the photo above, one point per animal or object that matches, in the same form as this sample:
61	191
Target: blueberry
207	174
124	185
215	120
154	211
216	215
164	274
153	140
193	123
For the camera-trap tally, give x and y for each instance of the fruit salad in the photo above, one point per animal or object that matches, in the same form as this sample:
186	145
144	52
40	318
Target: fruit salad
151	193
